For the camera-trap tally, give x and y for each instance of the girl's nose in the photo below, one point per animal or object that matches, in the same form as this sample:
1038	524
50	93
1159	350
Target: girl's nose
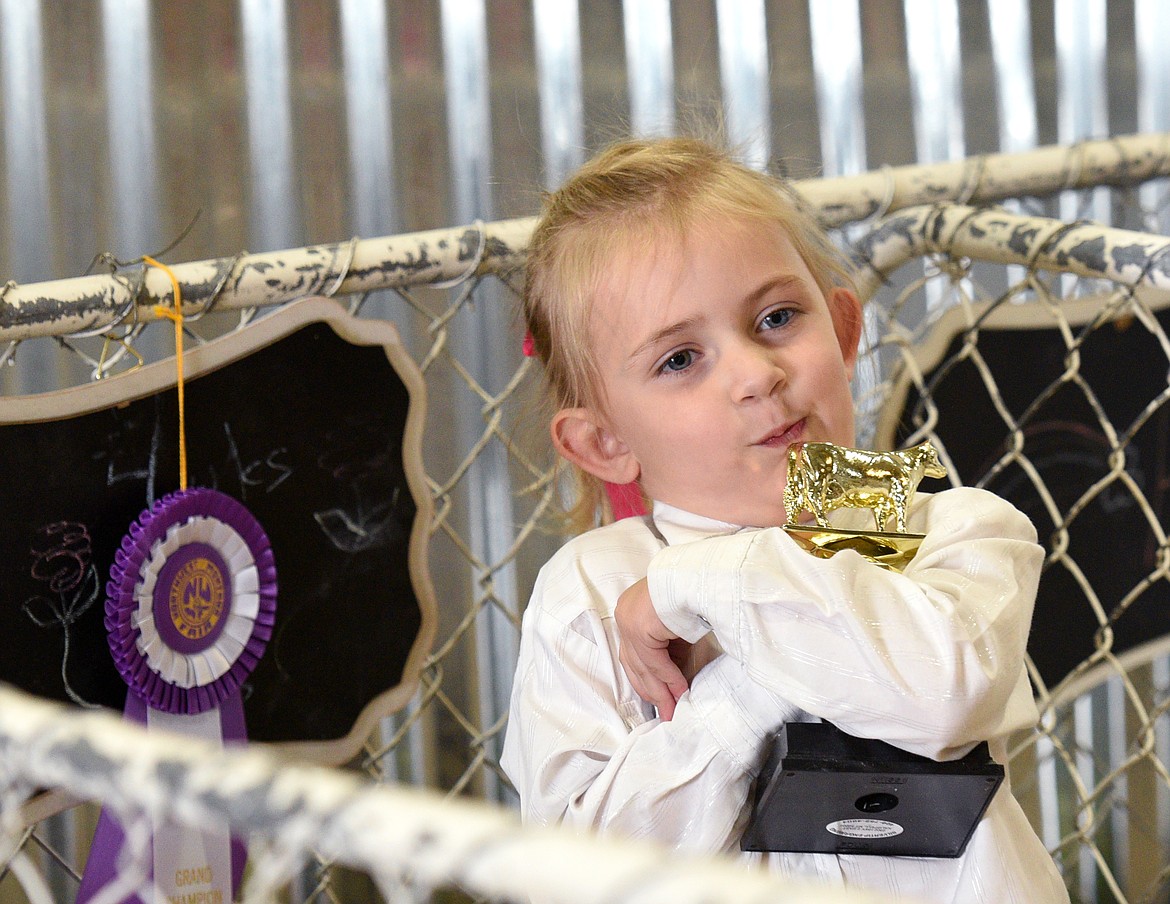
758	373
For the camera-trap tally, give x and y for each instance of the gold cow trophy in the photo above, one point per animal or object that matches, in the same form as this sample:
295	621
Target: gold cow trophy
823	790
823	477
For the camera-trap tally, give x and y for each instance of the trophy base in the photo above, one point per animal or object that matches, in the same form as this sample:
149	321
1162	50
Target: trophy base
889	550
823	791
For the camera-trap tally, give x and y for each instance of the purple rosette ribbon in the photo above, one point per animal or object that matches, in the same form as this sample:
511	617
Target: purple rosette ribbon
191	601
190	607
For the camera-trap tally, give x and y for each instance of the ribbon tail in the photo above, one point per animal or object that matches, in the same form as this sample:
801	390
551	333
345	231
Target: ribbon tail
101	867
171	845
231	715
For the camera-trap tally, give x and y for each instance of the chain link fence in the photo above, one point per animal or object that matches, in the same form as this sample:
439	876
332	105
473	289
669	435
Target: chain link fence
1032	350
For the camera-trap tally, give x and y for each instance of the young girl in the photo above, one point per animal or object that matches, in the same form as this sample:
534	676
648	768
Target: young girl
693	323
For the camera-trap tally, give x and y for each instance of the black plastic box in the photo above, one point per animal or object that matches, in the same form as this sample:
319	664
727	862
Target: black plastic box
824	791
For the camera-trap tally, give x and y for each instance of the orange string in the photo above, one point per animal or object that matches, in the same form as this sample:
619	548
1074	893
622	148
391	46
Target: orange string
176	314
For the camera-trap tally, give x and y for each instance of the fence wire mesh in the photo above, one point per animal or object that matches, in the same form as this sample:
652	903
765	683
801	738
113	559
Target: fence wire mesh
1049	387
1033	351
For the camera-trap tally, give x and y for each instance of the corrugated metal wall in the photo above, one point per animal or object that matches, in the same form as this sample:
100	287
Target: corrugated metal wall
268	124
283	122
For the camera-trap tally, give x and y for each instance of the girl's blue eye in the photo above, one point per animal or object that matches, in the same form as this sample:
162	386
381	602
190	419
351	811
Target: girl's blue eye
678	361
776	318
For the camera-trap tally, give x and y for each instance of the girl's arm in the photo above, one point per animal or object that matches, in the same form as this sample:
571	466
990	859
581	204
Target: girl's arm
583	749
930	660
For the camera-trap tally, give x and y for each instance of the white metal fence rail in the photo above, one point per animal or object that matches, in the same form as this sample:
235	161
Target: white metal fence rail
411	844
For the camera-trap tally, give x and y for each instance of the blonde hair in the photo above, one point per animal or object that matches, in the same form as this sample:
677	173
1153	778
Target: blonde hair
628	197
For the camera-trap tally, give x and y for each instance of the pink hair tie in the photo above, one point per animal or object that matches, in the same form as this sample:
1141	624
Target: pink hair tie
625	499
529	345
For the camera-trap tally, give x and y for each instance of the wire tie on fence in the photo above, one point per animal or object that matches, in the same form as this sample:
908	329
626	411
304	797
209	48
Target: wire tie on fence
343	272
1125	164
972	179
887	200
939	215
121	340
129	308
175	314
932	225
957	266
115	264
1054	235
476	260
1148	267
1076	159
217	291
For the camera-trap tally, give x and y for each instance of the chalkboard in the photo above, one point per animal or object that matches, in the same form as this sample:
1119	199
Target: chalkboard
309	417
1111	539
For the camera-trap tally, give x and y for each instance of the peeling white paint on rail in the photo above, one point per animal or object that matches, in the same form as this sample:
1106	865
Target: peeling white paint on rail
88	303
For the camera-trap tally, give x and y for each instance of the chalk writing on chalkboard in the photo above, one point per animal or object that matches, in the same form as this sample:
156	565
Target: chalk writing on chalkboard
310	418
62	558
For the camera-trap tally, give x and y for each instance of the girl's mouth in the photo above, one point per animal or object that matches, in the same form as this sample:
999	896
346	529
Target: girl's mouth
785	436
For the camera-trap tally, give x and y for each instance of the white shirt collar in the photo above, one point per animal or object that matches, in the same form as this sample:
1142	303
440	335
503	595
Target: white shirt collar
678	526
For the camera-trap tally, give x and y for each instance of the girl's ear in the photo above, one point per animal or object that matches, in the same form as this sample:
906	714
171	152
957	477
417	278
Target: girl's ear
579	437
847	321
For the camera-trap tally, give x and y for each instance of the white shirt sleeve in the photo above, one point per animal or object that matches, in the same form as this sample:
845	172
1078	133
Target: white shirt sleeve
930	660
583	749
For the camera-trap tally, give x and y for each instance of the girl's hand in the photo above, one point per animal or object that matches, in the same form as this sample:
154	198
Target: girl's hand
644	650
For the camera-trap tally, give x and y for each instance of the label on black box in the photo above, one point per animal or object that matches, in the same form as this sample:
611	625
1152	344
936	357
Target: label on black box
864	828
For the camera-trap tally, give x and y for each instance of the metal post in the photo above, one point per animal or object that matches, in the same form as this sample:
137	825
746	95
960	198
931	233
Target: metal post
1151	28
649	66
275	221
26	158
835	30
932	51
481	342
558	69
743	67
1010	24
130	137
1081	93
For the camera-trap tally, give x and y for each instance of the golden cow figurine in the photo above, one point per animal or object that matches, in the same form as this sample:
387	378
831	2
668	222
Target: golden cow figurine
823	477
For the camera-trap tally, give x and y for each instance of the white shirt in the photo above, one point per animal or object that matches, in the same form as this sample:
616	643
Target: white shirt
931	660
